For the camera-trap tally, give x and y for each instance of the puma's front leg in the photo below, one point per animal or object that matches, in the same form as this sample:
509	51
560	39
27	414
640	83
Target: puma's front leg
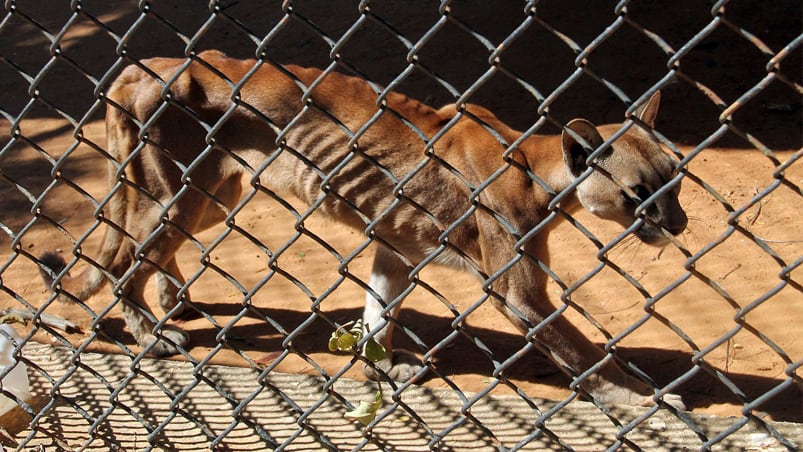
570	348
610	384
626	391
388	280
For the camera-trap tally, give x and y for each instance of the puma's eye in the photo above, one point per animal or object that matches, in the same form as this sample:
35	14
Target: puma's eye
641	192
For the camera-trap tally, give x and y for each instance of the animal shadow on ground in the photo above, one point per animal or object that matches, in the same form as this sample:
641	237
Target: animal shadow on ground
702	390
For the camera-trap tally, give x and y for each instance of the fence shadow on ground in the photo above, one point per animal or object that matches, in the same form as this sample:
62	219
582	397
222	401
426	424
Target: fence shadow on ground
700	391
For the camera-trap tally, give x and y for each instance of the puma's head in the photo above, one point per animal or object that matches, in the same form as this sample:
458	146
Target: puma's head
636	168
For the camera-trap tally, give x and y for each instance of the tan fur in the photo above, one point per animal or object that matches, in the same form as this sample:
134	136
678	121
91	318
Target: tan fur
409	218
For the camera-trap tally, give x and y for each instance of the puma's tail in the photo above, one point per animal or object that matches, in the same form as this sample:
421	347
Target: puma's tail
121	138
51	264
91	279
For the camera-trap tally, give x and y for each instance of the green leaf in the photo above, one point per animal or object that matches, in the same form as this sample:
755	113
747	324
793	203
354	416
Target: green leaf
333	342
346	342
356	330
365	412
374	350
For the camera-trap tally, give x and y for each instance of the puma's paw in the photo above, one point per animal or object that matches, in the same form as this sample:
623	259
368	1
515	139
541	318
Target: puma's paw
672	400
173	340
612	394
675	401
402	367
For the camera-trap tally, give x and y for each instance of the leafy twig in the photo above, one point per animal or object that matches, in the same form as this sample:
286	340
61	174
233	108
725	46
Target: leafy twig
345	339
46	319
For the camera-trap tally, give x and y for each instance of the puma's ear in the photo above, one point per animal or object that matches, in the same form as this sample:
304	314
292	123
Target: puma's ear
576	152
649	110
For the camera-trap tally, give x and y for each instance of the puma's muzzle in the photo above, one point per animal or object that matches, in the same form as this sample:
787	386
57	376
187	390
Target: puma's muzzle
669	217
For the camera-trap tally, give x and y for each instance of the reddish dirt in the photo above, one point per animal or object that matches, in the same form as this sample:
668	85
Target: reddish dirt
736	272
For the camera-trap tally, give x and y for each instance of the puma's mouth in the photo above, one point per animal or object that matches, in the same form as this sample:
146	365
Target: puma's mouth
651	236
655	236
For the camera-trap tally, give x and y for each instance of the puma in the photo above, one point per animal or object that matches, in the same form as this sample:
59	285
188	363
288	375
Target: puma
376	164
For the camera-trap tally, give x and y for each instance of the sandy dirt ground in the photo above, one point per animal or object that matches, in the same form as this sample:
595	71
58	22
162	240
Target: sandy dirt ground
756	264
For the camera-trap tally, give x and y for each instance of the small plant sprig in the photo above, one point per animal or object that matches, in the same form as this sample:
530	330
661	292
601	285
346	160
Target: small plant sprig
345	339
12	318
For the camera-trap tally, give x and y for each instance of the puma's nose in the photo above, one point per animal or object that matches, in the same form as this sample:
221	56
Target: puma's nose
673	216
677	223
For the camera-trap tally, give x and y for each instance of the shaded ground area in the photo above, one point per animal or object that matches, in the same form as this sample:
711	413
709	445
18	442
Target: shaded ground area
724	60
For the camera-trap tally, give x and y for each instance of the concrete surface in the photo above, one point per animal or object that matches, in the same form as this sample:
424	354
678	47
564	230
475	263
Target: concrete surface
100	403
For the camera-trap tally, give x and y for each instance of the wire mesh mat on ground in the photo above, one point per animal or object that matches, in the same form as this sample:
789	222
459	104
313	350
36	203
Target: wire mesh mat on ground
211	215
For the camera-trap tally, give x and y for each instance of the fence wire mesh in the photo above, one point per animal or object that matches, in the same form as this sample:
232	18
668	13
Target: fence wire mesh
711	317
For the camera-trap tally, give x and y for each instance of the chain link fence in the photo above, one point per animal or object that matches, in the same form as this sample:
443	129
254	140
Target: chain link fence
713	317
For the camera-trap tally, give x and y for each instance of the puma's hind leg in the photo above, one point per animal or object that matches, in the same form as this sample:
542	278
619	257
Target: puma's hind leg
134	265
167	292
211	214
141	322
388	280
